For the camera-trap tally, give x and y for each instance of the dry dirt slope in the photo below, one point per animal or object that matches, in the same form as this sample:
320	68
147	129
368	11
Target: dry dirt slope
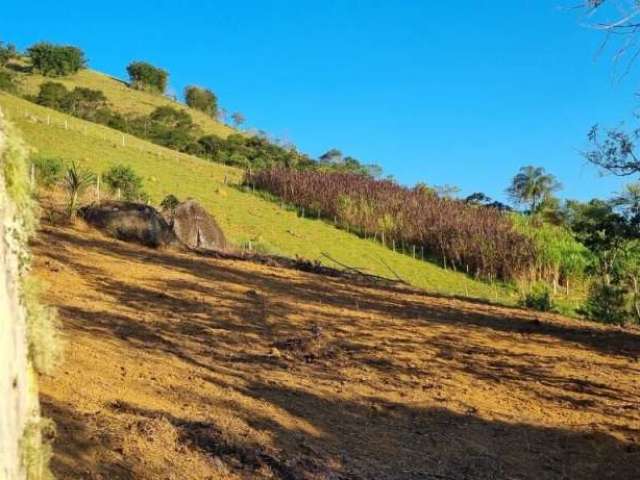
179	367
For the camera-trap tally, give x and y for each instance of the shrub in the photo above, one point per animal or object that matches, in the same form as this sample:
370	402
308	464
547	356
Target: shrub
201	99
538	298
606	304
48	170
76	182
56	60
170	202
559	256
8	81
53	95
144	76
122	179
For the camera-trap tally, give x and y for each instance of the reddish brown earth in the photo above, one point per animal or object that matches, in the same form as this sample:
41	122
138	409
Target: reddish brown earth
181	367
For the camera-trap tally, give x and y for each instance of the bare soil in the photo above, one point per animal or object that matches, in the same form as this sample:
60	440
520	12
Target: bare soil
184	367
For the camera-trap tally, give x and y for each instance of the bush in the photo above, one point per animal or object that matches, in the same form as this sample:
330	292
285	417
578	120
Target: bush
539	298
48	170
76	181
53	95
56	60
144	76
202	99
122	179
606	304
8	82
170	202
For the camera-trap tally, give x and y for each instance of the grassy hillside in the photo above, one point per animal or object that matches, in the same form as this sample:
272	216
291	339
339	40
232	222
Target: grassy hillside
243	216
123	99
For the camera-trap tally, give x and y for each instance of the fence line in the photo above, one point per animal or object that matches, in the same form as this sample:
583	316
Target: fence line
84	127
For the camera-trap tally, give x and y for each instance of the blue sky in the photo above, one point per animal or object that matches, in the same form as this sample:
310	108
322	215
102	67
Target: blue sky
460	93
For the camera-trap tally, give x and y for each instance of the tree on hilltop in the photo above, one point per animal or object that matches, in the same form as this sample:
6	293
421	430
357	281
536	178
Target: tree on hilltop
56	60
144	76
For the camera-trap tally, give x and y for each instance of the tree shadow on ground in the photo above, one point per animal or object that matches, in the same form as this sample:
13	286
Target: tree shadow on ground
433	309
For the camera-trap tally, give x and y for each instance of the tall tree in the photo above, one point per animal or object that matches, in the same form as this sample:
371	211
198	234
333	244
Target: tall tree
531	186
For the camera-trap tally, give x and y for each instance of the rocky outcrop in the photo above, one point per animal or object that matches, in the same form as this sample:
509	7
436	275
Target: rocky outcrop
131	222
195	228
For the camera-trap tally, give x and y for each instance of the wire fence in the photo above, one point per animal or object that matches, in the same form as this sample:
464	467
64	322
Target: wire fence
103	133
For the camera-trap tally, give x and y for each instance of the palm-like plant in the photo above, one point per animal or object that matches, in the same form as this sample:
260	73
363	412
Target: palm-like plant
76	182
531	186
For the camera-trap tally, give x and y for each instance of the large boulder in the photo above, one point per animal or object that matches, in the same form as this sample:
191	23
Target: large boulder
132	222
194	227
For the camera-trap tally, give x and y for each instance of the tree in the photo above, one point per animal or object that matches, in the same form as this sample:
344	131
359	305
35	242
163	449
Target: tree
122	180
202	99
7	53
331	157
238	119
144	76
619	21
531	186
85	102
56	60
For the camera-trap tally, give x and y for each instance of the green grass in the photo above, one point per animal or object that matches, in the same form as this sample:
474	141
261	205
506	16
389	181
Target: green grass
122	98
243	216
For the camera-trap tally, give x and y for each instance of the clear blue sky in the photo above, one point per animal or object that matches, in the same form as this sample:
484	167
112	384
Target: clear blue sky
459	93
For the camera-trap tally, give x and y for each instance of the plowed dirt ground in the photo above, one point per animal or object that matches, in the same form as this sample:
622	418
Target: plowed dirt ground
181	367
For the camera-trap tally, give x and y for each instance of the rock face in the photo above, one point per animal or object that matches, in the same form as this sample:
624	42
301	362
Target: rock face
195	228
131	222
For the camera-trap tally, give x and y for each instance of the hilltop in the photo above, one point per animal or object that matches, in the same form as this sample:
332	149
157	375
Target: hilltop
124	99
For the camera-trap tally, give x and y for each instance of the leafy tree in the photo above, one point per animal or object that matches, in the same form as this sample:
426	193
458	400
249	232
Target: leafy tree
331	157
56	60
85	102
202	99
171	127
531	186
7	53
53	95
144	76
478	198
238	119
123	180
